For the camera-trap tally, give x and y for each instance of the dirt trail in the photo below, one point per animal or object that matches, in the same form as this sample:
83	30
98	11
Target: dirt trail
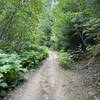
50	82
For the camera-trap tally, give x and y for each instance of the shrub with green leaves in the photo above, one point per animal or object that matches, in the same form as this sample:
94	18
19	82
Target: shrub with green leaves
11	71
33	56
66	60
13	66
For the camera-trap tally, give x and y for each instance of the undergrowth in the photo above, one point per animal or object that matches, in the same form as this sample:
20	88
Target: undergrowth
66	60
13	66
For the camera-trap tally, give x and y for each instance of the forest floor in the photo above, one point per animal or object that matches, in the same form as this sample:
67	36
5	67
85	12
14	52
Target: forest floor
51	82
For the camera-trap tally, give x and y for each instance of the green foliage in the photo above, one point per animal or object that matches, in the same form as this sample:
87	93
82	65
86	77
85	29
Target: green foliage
18	22
33	56
11	71
26	25
90	50
76	29
66	60
45	24
75	25
19	40
13	66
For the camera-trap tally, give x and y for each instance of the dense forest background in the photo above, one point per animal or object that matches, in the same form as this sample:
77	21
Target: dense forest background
29	27
76	24
61	24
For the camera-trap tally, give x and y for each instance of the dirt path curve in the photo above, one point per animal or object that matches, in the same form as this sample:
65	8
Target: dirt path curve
50	82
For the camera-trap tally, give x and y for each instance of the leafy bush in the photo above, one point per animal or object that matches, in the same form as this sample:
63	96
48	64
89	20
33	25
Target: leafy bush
66	60
90	50
33	57
11	71
13	66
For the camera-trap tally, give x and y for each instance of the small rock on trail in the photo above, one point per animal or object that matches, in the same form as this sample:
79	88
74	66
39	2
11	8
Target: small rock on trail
50	82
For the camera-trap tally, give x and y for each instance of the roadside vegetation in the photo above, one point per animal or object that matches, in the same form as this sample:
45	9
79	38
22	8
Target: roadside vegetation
66	60
20	49
29	27
76	32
